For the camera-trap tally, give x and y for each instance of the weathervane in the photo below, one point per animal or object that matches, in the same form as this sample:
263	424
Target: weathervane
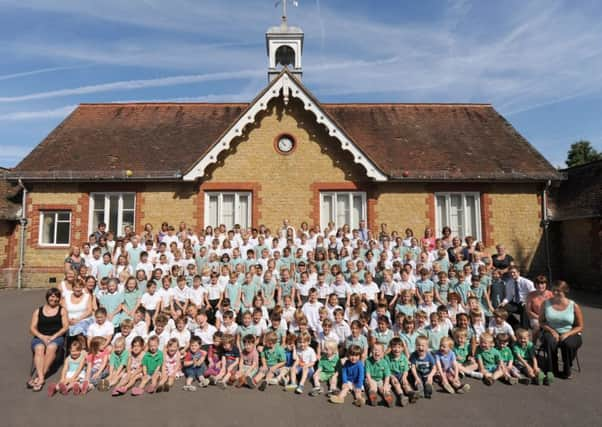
283	2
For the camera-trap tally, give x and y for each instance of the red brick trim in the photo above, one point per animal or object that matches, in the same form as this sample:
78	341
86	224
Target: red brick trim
430	211
34	224
486	215
369	189
11	246
253	187
81	230
139	213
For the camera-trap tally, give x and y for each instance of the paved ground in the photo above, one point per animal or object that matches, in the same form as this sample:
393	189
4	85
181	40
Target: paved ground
575	402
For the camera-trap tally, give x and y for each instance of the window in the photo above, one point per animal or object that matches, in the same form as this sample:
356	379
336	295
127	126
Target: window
342	208
228	208
55	228
117	210
461	212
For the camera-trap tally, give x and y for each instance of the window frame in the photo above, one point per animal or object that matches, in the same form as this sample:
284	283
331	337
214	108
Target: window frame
55	212
351	194
120	210
220	196
439	223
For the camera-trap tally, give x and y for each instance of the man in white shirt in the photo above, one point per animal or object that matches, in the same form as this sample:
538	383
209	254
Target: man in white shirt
517	290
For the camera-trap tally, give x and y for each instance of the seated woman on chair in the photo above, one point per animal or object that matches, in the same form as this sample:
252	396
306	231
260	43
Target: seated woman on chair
48	326
561	320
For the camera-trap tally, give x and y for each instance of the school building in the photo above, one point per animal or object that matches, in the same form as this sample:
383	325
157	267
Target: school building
283	155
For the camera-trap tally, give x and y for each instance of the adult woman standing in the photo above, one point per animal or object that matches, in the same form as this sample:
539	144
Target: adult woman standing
78	305
74	260
562	322
502	261
428	241
67	283
48	326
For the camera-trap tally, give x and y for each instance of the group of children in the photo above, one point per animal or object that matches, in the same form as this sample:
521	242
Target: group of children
333	319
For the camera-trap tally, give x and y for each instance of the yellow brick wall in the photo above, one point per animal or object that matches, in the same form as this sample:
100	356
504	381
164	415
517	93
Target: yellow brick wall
170	202
286	179
401	206
51	194
515	215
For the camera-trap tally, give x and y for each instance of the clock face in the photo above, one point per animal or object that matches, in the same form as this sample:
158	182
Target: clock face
286	144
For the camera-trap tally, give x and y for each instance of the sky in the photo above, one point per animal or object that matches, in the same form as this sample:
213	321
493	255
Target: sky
539	62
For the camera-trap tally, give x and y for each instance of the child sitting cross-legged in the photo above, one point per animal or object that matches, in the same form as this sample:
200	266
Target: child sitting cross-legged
327	368
378	375
448	369
352	377
464	355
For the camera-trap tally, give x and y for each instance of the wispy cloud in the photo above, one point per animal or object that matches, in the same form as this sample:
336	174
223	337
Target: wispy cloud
177	80
41	114
133	84
39	71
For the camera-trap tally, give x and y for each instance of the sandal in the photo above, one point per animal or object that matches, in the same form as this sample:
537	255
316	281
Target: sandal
37	387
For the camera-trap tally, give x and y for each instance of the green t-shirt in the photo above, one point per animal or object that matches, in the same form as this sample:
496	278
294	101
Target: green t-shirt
273	356
462	352
119	360
152	361
506	354
328	365
398	366
378	369
361	341
526	353
490	358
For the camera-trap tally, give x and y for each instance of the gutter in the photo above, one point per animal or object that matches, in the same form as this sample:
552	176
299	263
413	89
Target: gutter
546	226
23	222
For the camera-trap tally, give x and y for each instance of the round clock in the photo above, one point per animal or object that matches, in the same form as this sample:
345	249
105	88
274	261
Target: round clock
285	144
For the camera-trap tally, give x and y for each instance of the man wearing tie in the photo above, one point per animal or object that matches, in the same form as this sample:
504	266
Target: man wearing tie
517	290
363	231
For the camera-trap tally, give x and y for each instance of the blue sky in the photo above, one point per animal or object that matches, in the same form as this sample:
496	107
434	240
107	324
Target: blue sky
538	62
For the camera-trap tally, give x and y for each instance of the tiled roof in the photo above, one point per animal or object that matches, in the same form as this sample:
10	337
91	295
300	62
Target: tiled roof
163	140
9	210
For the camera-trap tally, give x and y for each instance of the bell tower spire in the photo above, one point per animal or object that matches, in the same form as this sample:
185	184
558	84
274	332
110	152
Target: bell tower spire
285	46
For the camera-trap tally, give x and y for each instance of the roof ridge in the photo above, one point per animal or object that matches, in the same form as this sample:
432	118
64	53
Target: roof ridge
411	104
137	104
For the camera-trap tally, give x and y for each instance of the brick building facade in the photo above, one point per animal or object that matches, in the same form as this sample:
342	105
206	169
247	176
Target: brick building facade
284	155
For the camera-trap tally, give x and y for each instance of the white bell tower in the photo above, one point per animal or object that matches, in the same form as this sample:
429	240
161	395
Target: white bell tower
285	47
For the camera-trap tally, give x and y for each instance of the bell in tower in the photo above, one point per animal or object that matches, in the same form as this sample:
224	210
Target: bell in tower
285	48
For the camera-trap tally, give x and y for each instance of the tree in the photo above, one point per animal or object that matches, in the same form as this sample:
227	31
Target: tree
581	152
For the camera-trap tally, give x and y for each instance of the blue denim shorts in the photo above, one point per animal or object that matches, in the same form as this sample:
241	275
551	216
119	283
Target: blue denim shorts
58	341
